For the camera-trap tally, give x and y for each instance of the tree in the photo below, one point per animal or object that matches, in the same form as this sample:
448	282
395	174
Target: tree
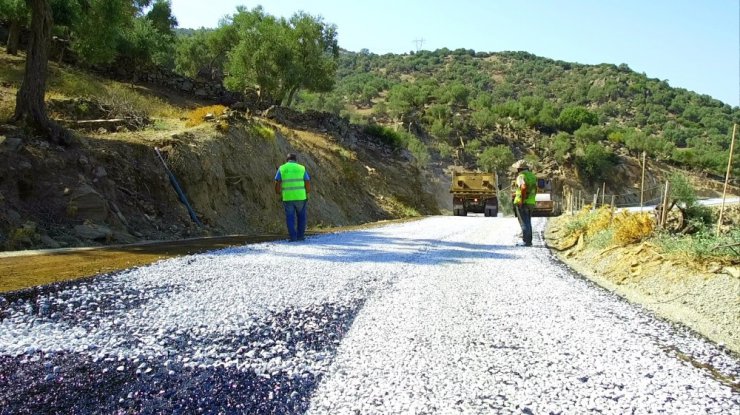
30	108
161	17
572	118
16	14
280	57
100	20
496	158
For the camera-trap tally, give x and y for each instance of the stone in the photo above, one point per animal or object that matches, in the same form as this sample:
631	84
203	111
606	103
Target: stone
87	204
186	86
100	172
49	242
93	231
12	143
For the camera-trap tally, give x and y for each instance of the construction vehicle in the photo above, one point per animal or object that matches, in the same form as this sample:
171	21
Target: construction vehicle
545	203
474	192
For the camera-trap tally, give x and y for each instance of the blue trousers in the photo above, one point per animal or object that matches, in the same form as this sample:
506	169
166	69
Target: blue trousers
524	212
293	209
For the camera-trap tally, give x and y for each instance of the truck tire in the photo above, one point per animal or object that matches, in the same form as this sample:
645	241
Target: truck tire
491	212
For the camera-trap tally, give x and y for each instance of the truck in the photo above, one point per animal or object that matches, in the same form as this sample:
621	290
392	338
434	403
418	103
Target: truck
474	192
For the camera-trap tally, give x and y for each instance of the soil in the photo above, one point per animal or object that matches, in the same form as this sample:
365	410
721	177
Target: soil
704	297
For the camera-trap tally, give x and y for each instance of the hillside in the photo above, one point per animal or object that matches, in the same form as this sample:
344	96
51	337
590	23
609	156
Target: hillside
570	119
110	187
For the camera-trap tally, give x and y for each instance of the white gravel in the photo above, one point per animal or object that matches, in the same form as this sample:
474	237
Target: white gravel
455	319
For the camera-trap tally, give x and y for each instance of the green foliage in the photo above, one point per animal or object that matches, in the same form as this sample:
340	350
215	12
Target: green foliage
419	150
280	57
572	118
204	51
497	158
162	18
14	11
386	135
594	162
560	146
702	246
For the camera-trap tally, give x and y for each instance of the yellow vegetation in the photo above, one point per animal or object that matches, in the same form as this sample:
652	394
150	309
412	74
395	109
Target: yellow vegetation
632	227
198	115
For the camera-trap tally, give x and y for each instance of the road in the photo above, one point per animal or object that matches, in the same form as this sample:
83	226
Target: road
441	315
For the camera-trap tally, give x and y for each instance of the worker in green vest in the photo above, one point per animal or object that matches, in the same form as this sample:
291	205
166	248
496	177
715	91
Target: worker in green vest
524	198
293	183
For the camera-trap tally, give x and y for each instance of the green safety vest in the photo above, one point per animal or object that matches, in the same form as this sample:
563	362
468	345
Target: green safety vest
531	181
293	186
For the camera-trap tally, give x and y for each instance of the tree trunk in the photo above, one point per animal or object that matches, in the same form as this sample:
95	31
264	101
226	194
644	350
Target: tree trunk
14	37
30	108
290	96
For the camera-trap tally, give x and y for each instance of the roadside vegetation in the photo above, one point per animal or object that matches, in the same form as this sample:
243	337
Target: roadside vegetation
690	232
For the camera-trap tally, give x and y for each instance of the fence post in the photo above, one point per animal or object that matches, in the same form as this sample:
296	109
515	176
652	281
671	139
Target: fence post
664	210
727	179
611	213
596	198
603	192
642	181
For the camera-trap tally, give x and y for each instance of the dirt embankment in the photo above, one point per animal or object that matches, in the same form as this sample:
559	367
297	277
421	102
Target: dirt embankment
705	298
111	188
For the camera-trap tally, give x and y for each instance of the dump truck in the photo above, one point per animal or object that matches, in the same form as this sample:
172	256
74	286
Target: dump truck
474	192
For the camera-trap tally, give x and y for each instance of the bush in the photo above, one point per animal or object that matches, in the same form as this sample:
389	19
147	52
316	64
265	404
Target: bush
702	246
386	135
632	227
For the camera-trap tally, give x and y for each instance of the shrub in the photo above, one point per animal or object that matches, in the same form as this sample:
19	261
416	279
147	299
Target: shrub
632	227
198	115
386	135
702	245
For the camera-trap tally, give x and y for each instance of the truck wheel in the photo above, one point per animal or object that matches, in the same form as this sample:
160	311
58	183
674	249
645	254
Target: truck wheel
491	212
463	212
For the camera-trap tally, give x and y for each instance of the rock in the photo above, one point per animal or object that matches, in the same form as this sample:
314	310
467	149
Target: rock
732	271
124	237
49	242
11	143
13	217
186	86
200	92
100	172
93	232
87	204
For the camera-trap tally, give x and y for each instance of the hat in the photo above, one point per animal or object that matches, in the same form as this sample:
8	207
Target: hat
520	165
292	157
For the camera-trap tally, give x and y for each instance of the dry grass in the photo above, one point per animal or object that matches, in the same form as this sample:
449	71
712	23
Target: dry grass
631	228
198	116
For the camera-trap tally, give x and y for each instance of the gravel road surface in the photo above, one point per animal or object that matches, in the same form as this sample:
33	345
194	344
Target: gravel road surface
442	315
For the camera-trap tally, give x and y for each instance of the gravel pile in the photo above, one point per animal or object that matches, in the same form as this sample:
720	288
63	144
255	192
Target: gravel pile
440	315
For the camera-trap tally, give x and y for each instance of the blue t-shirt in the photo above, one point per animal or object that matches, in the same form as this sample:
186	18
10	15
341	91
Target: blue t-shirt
306	177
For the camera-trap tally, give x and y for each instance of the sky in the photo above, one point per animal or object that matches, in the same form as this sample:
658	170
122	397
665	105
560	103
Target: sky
692	44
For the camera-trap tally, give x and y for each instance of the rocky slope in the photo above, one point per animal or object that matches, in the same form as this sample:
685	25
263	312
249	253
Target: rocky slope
112	188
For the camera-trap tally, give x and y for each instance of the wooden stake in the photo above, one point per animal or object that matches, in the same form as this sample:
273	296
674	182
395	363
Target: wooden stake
642	181
603	191
727	179
611	214
664	210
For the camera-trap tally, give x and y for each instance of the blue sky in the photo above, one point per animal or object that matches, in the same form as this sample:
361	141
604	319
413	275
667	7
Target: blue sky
694	44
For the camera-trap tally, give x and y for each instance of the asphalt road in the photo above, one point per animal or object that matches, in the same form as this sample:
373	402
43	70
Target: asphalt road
442	315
